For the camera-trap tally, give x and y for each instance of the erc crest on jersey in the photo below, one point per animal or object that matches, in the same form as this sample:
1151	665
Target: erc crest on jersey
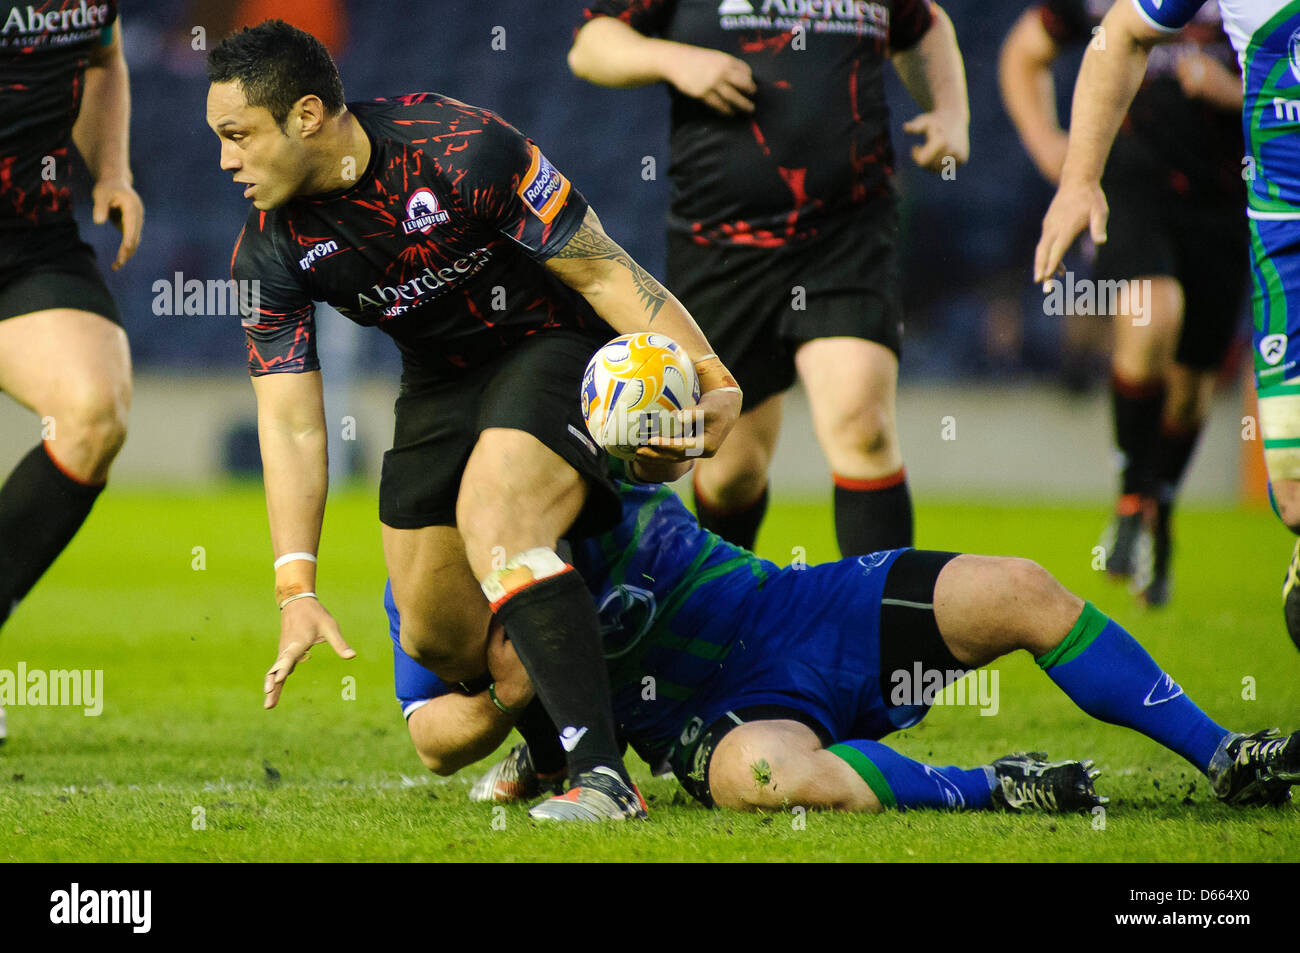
631	388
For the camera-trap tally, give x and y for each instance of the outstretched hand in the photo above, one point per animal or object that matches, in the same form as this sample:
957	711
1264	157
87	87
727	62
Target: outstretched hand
303	624
1074	208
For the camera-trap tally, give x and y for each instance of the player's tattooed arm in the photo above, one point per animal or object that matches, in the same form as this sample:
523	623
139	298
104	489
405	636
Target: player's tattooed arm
590	250
629	299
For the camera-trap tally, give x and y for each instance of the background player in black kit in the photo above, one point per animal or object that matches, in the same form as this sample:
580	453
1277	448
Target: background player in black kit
1175	182
446	228
782	232
63	354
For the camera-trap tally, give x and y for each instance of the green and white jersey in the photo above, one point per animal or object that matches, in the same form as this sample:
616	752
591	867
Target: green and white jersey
1266	36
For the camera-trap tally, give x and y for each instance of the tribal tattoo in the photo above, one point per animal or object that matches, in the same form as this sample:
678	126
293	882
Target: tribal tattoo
592	244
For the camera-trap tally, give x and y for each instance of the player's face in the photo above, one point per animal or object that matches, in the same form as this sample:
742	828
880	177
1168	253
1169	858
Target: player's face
255	149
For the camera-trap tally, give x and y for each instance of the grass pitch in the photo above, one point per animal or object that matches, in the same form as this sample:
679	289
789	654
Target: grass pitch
170	596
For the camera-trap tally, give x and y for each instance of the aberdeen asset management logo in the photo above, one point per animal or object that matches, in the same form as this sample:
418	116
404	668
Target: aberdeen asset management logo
423	212
860	17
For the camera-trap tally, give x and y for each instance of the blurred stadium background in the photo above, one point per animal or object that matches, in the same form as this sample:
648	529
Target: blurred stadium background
1030	417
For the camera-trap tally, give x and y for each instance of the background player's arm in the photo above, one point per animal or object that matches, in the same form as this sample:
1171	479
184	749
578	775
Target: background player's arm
609	52
101	135
454	730
1201	76
934	75
1029	92
630	299
291	431
1108	80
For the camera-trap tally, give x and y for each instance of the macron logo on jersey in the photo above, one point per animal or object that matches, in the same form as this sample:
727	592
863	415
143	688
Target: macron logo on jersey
321	250
542	188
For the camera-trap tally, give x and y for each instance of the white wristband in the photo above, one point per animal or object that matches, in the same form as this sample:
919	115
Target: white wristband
296	596
294	557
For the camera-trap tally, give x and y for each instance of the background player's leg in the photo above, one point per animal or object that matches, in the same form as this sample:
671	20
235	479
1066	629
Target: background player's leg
1286	495
987	606
731	487
851	384
517	497
1187	403
1146	331
72	368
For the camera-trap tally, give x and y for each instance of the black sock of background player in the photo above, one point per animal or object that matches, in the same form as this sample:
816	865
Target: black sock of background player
556	633
1172	454
543	738
1137	407
41	509
738	527
871	515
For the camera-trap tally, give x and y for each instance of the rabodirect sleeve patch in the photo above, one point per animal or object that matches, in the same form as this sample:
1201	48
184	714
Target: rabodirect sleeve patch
543	188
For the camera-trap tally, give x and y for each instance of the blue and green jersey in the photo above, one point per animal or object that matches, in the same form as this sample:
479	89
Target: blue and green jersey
1266	36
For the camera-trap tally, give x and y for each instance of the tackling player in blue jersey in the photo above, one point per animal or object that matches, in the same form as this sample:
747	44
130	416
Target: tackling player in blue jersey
763	686
1266	36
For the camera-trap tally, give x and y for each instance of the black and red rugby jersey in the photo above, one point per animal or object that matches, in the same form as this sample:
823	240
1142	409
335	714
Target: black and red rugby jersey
818	142
440	244
1188	145
45	47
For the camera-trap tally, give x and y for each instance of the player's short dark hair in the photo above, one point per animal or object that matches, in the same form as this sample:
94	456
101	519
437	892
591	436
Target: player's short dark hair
277	64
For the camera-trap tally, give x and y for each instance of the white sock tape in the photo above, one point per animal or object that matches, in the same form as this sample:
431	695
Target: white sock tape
540	561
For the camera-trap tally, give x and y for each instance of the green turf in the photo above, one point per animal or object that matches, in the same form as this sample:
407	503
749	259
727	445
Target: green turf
183	764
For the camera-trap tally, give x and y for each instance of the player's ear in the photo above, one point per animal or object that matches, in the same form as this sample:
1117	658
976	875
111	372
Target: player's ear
307	115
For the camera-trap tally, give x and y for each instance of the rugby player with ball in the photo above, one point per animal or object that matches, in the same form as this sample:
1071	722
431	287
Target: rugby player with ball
456	236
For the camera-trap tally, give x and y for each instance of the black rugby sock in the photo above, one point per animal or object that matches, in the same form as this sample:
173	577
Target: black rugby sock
556	633
871	515
41	509
543	738
1173	453
738	527
1137	407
